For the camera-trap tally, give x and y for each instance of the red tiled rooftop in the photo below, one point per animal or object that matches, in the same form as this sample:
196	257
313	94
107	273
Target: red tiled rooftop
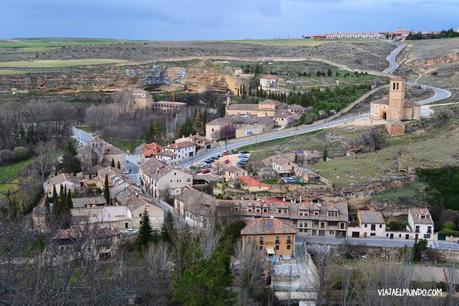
151	149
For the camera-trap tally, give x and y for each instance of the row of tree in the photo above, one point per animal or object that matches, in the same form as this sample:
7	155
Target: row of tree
442	34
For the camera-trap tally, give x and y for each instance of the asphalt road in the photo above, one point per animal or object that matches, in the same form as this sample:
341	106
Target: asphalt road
439	94
375	242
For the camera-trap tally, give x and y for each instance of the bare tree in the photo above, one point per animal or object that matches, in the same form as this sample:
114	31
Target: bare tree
325	257
249	267
47	157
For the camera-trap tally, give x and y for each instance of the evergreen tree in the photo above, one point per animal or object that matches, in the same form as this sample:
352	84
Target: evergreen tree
106	190
186	129
70	162
69	203
329	72
198	122
146	234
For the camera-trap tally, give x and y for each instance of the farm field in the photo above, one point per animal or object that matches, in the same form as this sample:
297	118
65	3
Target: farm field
59	63
44	44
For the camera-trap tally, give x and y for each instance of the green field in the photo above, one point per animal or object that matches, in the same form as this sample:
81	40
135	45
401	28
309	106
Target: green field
9	173
44	44
12	71
126	145
60	63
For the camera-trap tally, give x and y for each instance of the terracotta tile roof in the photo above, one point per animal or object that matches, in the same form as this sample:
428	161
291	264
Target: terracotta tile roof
420	215
269	77
152	167
151	149
181	145
250	181
370	217
266	226
82	202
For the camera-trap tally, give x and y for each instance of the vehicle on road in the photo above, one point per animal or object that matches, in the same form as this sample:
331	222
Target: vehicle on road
205	171
127	171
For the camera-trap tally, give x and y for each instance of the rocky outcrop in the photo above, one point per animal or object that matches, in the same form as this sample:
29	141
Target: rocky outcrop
113	78
446	59
350	142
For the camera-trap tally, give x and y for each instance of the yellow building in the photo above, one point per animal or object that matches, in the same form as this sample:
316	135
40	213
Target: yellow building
266	108
270	235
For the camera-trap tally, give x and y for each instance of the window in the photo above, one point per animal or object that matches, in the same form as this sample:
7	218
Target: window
373	227
372	234
417	228
288	246
140	215
289	239
277	247
261	240
380	226
277	240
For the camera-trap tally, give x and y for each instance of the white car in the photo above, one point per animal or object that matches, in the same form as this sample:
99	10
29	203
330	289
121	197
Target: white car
127	171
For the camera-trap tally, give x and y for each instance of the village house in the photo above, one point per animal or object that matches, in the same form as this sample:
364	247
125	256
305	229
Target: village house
233	173
149	150
283	166
420	223
251	125
215	129
317	217
268	82
183	150
161	180
194	207
201	142
111	217
370	223
253	185
89	202
266	108
167	157
285	118
64	181
98	243
270	235
116	181
138	204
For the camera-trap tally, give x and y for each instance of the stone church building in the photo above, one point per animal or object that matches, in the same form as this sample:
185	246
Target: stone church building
395	109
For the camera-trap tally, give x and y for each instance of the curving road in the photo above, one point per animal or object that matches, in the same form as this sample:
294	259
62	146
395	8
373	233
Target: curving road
439	94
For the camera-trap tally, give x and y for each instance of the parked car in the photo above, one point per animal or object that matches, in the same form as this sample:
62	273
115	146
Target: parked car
227	161
225	152
127	171
205	171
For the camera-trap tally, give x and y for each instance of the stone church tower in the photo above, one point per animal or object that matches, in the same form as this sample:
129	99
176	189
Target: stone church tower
394	109
396	99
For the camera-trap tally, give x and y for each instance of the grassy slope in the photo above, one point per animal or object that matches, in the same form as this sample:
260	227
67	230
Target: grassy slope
437	148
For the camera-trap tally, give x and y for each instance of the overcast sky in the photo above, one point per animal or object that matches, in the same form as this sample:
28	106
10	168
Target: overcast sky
218	19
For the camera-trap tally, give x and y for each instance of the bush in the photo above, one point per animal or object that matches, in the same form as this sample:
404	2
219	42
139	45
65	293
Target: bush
15	155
